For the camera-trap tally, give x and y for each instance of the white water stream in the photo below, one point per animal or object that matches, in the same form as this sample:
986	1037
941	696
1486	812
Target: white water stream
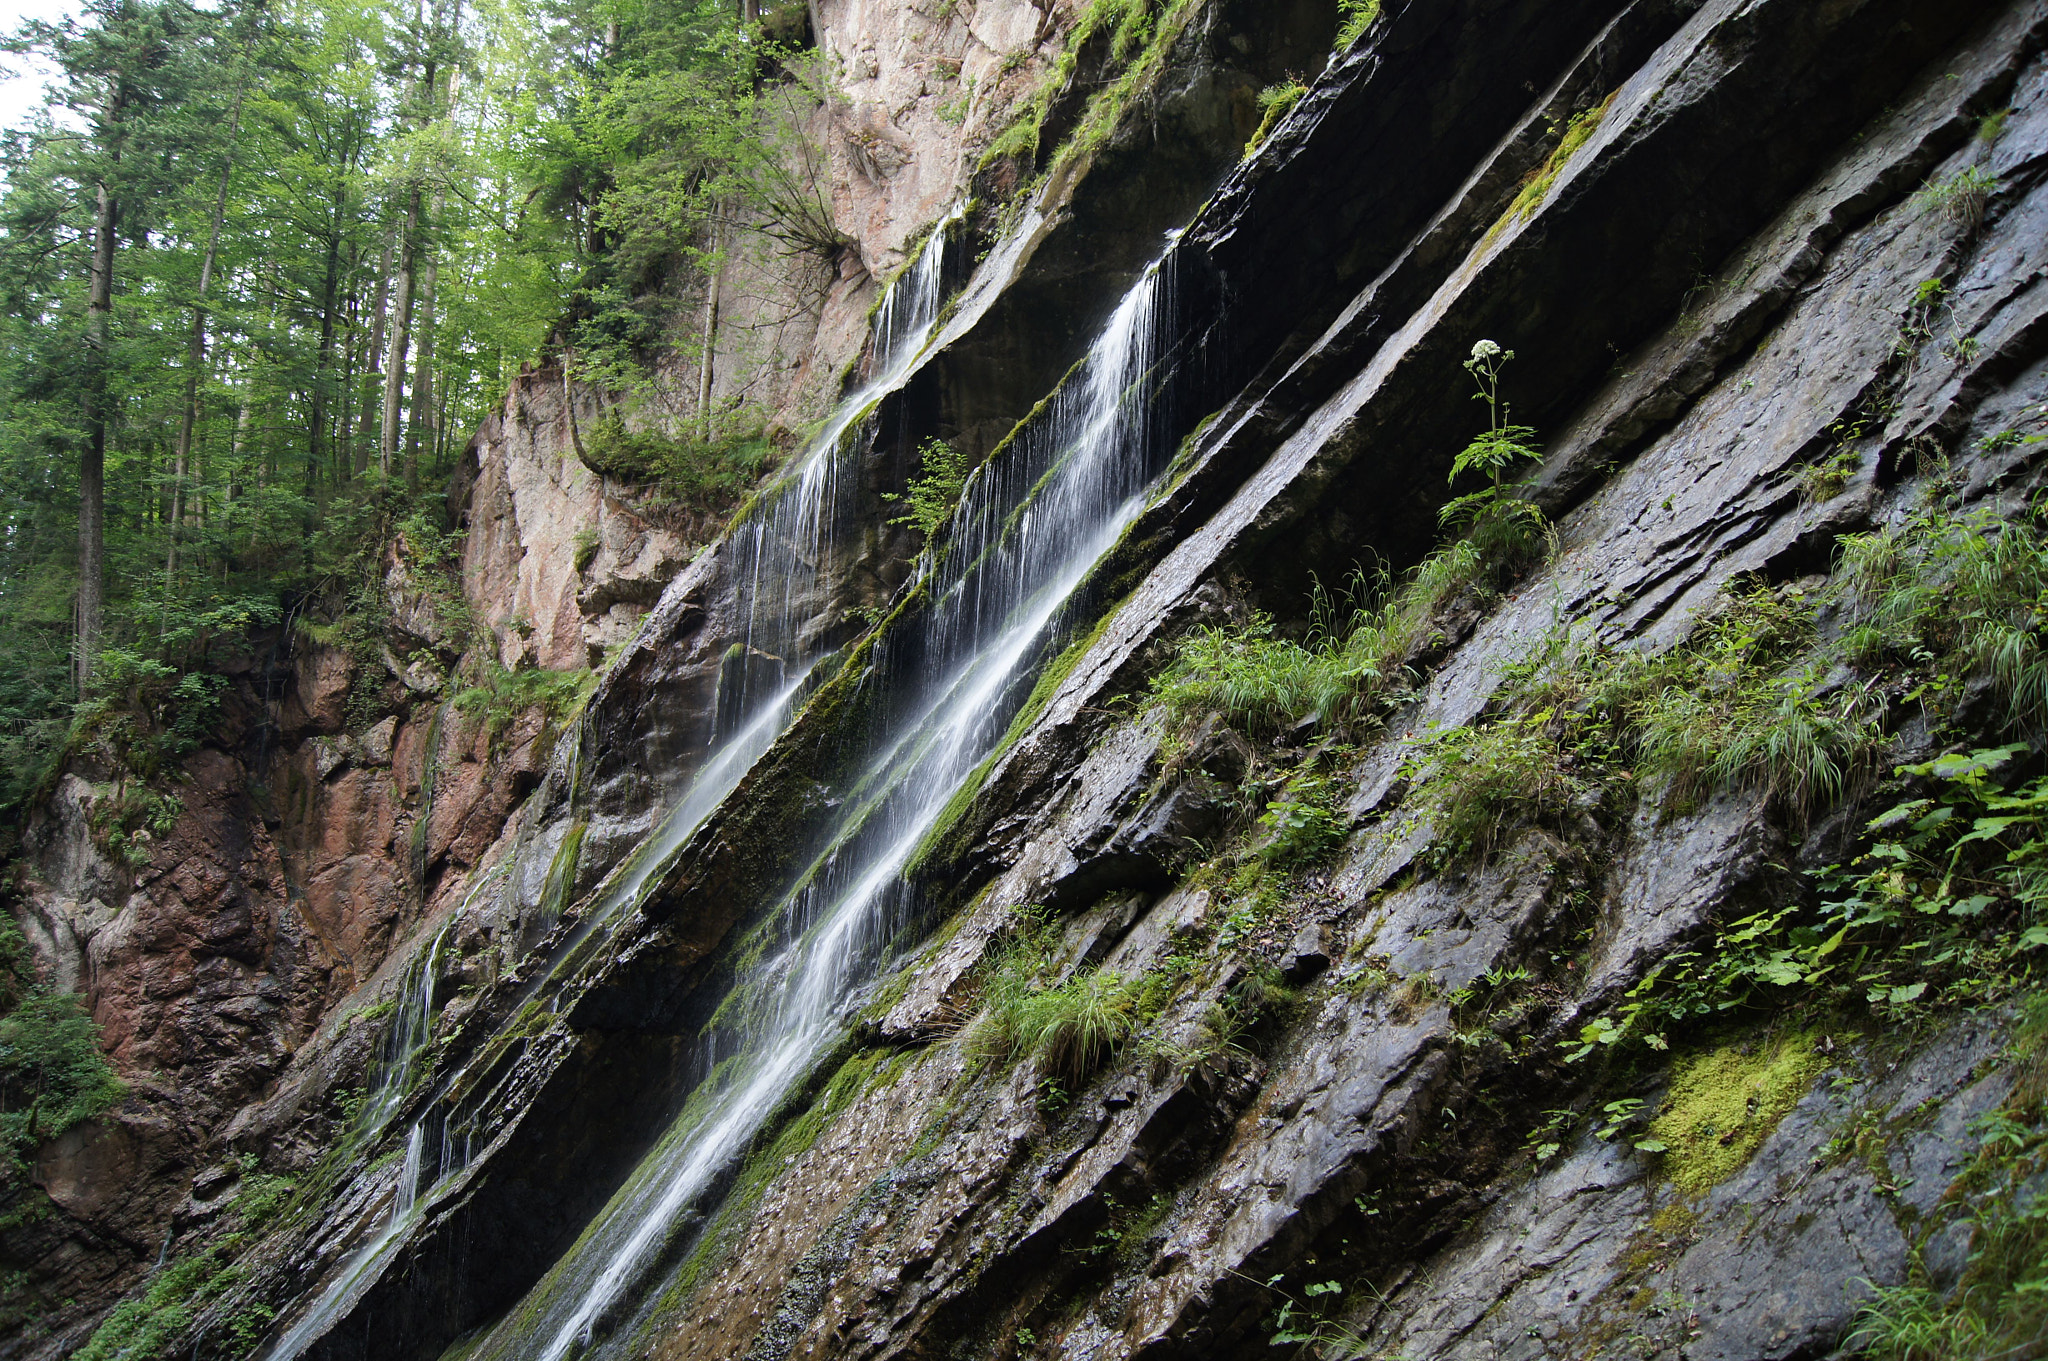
781	553
1031	526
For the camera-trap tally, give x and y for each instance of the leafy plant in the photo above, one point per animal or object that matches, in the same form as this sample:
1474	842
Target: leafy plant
1501	526
1949	899
52	1073
934	493
1275	102
1355	17
1301	823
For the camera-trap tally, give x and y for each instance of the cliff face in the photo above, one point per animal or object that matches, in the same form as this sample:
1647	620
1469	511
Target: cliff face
1403	1044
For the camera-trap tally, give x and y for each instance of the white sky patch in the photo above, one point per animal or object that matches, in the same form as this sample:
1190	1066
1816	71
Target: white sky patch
22	78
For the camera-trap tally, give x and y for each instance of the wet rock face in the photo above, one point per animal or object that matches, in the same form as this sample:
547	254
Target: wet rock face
1705	292
1376	1127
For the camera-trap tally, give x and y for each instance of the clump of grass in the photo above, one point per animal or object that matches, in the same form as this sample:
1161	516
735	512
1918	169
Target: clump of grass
1961	197
1475	782
1266	683
1069	1028
1971	591
1719	713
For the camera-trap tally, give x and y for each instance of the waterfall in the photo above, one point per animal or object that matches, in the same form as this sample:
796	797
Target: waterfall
782	553
1031	526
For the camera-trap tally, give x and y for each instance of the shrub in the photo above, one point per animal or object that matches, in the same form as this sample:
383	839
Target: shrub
705	475
1473	782
935	492
52	1073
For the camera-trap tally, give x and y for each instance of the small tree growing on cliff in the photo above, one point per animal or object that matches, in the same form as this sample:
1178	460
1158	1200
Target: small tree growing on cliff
935	492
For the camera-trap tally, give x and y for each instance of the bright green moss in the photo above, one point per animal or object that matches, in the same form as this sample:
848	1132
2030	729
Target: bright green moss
1725	1102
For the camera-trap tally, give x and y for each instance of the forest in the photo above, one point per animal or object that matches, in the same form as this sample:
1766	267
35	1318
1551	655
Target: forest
266	265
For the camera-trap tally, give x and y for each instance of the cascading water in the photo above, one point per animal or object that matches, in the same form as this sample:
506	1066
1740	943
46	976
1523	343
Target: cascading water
1030	528
781	555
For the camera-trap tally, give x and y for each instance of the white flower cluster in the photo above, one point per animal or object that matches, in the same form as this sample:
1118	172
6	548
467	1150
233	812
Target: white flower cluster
1485	349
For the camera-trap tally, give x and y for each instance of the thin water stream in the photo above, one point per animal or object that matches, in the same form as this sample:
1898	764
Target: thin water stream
1030	528
783	552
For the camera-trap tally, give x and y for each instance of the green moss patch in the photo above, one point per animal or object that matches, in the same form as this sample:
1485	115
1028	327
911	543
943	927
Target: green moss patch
1725	1102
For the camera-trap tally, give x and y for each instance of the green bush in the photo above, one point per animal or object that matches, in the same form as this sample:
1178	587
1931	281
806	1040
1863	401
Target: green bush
1475	782
52	1073
501	695
709	476
935	492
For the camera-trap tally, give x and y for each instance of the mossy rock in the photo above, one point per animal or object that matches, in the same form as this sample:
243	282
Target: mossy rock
1723	1103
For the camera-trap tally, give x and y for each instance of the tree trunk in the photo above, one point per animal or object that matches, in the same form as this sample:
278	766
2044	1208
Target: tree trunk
401	337
92	463
195	343
711	304
423	371
373	361
569	407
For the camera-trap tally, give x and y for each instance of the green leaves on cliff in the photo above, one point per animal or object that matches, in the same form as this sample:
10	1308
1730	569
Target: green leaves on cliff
1352	660
1068	1026
935	492
52	1073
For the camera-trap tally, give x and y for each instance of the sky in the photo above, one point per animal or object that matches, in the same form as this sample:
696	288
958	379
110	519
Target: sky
21	83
